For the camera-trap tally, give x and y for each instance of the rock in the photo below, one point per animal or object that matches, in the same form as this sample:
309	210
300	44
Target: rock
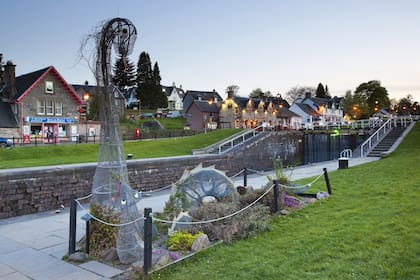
183	217
241	190
200	243
322	195
208	199
78	257
284	212
109	255
138	266
160	257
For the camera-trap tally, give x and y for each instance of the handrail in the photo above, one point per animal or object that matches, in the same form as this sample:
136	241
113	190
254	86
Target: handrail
231	142
376	137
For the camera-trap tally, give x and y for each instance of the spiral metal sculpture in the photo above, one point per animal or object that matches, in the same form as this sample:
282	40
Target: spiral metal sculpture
110	187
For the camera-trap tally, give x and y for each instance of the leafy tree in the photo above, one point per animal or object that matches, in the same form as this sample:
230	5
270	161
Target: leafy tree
355	105
124	73
259	93
232	88
404	106
94	108
375	95
298	92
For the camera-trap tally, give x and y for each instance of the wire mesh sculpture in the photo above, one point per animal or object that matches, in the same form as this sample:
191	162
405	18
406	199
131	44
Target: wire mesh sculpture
110	187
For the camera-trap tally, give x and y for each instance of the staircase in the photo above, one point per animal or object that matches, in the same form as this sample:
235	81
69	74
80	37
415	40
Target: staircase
386	143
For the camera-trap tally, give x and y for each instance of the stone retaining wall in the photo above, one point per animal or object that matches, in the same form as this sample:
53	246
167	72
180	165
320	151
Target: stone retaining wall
31	190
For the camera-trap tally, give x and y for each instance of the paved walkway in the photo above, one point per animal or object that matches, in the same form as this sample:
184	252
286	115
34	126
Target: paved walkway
31	246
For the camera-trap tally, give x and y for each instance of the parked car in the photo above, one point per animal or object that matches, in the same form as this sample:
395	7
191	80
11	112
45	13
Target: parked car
172	114
5	142
146	115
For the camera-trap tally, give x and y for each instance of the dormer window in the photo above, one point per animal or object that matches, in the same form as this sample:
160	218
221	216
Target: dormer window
49	87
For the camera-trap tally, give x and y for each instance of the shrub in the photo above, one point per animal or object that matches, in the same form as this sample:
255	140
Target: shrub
242	225
181	241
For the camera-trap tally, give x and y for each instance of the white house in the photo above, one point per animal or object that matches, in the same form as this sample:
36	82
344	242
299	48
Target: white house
318	112
175	96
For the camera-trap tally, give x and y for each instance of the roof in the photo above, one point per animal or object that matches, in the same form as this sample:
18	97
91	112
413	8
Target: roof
307	109
25	83
204	95
240	101
205	106
168	91
7	118
284	112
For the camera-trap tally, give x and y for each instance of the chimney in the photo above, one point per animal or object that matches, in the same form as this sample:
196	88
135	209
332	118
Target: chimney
308	94
10	79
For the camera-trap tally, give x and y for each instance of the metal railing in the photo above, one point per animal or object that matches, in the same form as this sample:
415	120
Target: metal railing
241	138
370	143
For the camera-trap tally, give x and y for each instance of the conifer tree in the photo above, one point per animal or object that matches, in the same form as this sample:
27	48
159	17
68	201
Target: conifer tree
149	89
144	80
159	97
320	91
124	73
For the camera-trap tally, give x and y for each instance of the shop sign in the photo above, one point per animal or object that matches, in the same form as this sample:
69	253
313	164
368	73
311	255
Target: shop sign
49	120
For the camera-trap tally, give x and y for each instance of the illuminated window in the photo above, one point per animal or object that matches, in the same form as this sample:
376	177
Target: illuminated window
49	87
58	108
50	107
40	104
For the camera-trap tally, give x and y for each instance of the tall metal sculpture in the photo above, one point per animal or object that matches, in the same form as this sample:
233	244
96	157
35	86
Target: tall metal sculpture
110	189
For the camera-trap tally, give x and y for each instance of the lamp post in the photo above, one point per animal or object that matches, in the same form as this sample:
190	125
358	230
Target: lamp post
86	97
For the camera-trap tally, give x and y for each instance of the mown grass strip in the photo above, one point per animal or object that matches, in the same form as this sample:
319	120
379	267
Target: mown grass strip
368	229
78	153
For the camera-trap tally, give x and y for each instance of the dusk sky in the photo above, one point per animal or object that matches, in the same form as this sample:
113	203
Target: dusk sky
204	45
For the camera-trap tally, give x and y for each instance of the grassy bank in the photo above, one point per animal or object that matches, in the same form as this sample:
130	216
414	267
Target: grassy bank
79	153
368	229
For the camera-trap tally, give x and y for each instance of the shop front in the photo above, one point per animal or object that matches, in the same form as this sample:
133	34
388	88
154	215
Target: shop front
48	129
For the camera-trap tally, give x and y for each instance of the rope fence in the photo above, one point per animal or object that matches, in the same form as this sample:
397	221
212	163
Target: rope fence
77	200
148	217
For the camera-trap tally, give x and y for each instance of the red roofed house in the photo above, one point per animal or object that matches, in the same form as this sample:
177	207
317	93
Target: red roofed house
38	105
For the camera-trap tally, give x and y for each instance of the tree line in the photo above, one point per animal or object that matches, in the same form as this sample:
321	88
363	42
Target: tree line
146	79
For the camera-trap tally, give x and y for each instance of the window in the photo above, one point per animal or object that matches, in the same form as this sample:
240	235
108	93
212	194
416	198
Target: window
40	107
50	107
49	87
58	108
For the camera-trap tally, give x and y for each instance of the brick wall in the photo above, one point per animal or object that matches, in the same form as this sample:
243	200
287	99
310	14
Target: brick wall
32	190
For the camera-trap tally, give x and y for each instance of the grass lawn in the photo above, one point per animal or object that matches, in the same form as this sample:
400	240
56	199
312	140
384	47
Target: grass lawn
368	229
79	153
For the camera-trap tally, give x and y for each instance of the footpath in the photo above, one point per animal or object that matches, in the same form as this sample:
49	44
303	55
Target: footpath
32	246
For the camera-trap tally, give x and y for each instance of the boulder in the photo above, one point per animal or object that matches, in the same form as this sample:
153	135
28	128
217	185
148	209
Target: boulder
208	199
200	243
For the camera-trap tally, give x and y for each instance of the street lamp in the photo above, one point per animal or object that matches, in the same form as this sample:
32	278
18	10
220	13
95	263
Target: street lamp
86	97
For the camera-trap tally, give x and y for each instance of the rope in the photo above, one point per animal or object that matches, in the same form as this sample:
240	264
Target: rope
256	171
216	219
237	174
186	223
84	197
106	223
157	190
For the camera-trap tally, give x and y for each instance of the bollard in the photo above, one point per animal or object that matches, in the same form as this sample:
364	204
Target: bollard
147	265
245	177
87	217
276	196
72	231
327	181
